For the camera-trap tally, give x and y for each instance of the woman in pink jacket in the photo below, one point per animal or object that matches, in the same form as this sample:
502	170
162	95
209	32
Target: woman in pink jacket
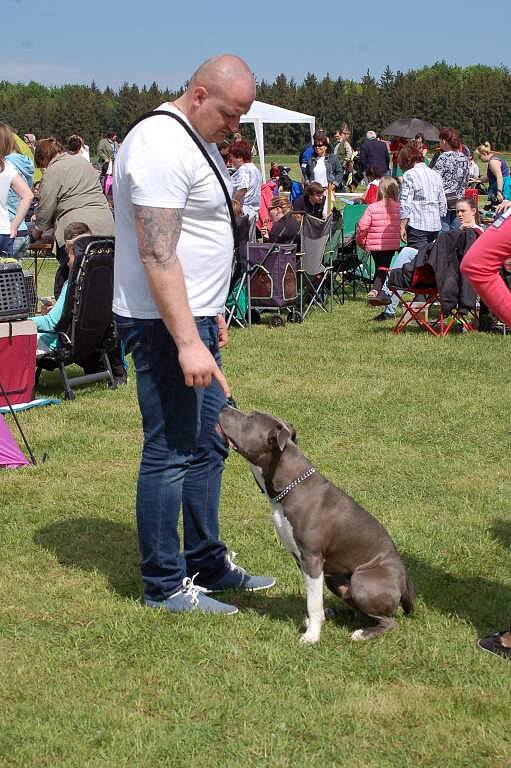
378	232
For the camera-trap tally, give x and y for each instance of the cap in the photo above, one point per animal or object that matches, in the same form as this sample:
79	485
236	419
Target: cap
370	135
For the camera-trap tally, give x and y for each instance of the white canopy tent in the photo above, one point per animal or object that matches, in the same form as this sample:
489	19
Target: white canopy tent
261	113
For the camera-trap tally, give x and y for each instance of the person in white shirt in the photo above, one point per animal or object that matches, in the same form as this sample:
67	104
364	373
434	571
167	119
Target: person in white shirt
10	179
421	198
173	256
324	166
246	180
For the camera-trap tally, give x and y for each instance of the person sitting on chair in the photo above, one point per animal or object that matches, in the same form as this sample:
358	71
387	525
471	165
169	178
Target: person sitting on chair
46	323
285	227
312	201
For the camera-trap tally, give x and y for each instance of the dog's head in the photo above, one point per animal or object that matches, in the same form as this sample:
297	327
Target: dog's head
257	436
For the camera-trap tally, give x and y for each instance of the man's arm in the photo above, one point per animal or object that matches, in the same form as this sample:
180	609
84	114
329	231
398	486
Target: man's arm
482	263
158	231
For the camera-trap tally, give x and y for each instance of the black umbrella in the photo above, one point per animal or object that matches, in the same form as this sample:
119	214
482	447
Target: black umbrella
409	127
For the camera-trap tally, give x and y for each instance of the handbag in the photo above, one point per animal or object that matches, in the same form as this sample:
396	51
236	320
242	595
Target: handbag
452	199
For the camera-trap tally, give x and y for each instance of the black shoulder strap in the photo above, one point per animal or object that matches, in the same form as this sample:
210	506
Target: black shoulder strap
207	157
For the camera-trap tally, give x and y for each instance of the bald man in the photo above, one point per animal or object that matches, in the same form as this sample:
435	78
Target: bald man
173	255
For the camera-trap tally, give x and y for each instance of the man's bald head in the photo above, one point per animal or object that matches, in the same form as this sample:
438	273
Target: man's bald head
219	92
220	73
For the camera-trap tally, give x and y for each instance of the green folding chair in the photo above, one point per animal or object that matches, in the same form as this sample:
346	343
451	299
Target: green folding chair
351	264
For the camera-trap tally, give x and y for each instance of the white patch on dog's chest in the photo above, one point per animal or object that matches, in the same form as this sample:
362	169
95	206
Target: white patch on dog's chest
282	525
284	530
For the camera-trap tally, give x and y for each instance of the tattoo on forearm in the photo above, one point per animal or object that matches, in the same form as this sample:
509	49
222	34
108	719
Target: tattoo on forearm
158	231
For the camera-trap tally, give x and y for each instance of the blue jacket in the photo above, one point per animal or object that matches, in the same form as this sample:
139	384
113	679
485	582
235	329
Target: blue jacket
46	324
25	168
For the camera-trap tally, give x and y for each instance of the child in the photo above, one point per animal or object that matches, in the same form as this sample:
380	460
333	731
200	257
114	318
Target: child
378	231
46	323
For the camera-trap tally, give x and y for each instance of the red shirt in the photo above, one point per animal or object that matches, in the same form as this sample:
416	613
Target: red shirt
482	262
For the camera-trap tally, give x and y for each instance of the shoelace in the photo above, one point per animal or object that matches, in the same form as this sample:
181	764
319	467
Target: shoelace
231	556
191	589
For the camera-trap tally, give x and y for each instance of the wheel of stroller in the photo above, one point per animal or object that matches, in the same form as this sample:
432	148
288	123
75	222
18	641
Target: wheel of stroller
295	317
276	321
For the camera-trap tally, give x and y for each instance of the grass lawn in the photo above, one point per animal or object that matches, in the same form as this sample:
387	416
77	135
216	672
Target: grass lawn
415	428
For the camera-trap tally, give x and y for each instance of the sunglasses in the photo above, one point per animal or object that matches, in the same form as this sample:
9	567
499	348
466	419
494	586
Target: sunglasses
316	146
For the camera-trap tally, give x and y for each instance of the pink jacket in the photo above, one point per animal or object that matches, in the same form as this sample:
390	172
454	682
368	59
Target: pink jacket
379	229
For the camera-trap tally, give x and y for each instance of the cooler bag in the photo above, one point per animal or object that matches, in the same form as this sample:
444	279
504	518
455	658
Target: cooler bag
18	342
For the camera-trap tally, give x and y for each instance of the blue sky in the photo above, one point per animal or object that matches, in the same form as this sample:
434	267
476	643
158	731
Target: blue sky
56	42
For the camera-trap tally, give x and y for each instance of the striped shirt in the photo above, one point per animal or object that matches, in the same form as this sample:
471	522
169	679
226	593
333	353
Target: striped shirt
422	198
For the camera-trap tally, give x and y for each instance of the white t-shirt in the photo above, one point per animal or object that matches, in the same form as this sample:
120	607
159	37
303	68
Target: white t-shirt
248	177
6	177
159	165
320	172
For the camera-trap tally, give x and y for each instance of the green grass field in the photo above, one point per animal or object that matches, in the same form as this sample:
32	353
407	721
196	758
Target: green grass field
414	427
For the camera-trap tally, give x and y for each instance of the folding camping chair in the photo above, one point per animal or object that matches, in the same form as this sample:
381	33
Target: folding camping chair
86	329
236	306
351	264
315	276
416	287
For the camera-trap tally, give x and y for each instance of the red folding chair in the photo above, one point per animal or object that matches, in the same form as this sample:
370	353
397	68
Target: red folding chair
424	293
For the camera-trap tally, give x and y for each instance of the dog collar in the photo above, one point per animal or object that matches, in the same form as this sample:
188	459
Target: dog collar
292	485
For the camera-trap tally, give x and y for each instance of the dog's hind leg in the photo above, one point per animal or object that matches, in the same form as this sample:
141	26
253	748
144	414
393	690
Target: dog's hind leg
384	624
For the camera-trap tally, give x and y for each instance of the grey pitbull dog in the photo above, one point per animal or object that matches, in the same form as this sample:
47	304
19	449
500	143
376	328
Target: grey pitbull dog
332	538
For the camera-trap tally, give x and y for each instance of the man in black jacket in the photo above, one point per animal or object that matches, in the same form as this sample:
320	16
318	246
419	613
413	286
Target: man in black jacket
374	156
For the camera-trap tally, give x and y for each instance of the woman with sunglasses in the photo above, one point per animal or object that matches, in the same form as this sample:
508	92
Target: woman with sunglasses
324	166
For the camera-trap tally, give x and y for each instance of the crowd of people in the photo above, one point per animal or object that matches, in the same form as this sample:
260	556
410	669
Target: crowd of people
175	213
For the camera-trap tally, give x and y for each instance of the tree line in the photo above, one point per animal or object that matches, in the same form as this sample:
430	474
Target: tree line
473	99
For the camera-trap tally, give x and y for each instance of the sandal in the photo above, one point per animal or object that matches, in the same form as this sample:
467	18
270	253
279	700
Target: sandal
493	644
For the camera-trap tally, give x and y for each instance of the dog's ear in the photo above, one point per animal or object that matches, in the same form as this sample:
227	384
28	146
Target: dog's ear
292	432
280	436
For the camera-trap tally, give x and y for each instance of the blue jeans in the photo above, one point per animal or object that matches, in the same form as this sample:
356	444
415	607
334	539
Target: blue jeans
450	221
6	243
20	245
182	460
404	256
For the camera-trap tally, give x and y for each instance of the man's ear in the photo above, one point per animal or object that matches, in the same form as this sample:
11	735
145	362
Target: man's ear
280	436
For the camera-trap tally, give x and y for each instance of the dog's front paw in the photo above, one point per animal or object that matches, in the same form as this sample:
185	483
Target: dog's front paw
311	637
358	634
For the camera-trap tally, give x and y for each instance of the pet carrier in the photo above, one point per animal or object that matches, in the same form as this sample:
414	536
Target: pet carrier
272	283
13	294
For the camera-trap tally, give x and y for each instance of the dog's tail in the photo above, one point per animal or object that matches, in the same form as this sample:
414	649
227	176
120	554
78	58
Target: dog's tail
408	596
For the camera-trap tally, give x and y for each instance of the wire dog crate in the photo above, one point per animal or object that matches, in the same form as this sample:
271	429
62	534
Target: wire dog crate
13	294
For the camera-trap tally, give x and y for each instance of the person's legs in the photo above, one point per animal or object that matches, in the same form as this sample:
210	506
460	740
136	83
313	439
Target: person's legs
20	245
450	221
418	238
382	261
405	255
204	552
6	245
169	419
